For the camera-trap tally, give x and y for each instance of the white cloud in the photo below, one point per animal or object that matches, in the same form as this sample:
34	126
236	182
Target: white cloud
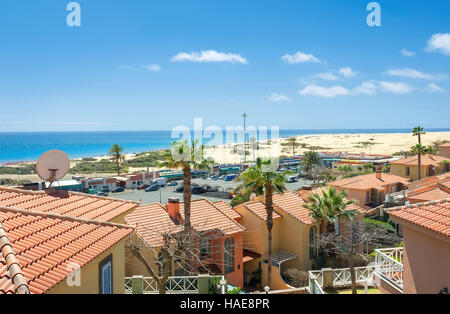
366	88
327	76
347	72
414	74
325	92
405	52
209	56
395	87
126	67
299	57
152	67
435	88
440	42
279	98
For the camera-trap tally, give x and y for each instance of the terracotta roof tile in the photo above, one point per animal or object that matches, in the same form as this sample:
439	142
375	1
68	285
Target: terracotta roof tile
44	245
427	160
434	215
293	204
227	209
66	203
368	181
259	209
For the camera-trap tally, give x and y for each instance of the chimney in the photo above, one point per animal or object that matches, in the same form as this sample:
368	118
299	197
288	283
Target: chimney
378	174
173	208
306	191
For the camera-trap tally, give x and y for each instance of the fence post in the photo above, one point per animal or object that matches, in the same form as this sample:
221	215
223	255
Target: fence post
137	284
203	284
328	277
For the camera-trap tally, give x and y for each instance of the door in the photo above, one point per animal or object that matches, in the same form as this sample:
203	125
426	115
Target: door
106	276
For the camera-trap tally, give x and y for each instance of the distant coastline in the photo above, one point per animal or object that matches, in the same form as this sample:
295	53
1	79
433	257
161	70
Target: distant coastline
28	146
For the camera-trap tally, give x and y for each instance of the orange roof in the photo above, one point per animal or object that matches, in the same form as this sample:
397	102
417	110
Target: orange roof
444	145
66	203
426	160
434	215
292	204
368	181
227	209
42	248
259	209
153	221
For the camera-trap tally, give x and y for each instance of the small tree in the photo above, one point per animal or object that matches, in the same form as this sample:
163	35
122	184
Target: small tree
311	159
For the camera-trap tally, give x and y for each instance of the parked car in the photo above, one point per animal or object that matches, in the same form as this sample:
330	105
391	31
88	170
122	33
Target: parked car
213	178
103	193
292	179
152	188
180	189
118	190
160	181
143	186
197	190
105	190
173	183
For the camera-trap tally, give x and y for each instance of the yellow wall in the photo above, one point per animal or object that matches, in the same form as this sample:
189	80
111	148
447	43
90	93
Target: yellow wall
400	170
90	274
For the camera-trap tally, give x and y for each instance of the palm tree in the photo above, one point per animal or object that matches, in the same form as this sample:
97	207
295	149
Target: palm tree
116	156
311	159
329	207
418	131
253	145
419	150
294	144
266	183
186	157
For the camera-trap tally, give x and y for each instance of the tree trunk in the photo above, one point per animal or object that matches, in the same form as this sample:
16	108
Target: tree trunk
269	209
419	162
352	274
187	212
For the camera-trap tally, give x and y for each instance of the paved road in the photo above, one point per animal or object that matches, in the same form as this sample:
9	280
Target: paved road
169	191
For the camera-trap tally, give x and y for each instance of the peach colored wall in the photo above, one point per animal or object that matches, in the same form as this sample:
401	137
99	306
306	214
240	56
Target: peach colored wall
444	152
426	263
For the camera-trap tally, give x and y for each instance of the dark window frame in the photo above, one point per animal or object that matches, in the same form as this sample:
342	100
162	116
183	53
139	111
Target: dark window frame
229	251
108	259
313	242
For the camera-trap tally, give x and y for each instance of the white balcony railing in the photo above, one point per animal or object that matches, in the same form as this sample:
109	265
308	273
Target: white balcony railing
389	266
174	285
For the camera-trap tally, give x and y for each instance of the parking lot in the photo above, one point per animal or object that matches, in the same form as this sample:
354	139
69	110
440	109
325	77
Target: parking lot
169	191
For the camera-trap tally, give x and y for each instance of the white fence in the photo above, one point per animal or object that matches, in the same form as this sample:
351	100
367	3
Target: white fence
174	285
389	266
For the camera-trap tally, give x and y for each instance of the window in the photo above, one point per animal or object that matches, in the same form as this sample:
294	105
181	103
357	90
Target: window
205	248
312	242
407	171
229	255
106	276
367	197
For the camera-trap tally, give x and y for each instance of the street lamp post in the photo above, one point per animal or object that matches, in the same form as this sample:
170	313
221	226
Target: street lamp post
244	115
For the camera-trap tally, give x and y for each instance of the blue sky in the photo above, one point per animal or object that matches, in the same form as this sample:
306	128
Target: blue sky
138	65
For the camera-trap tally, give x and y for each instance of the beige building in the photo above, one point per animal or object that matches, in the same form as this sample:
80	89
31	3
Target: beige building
370	190
431	165
444	150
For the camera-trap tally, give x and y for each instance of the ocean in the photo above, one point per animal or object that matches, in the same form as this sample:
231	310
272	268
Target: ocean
15	147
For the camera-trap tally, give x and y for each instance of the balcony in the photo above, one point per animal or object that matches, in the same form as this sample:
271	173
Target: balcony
389	267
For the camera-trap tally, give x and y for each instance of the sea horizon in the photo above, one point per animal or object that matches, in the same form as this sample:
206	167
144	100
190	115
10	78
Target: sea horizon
28	146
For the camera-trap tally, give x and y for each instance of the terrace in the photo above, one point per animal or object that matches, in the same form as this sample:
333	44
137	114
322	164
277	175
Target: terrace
389	267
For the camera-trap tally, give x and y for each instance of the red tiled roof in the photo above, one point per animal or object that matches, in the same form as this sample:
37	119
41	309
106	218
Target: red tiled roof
434	215
227	209
368	181
153	221
45	246
66	203
426	160
259	209
292	204
444	145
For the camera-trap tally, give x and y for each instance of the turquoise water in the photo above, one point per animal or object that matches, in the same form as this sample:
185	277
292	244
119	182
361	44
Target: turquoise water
29	146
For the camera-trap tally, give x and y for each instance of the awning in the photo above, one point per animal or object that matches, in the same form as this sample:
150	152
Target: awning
281	257
249	256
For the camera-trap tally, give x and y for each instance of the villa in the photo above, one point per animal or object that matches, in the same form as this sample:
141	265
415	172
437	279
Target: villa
429	189
421	266
369	190
431	165
62	242
220	237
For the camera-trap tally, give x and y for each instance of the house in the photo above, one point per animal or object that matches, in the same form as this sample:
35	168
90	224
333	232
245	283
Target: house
444	150
61	242
429	189
98	184
431	165
369	190
133	180
422	265
220	237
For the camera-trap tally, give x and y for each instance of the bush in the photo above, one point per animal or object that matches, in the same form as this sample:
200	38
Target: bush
296	278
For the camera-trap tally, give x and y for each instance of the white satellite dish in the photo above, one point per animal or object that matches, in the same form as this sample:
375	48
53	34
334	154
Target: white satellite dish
53	165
